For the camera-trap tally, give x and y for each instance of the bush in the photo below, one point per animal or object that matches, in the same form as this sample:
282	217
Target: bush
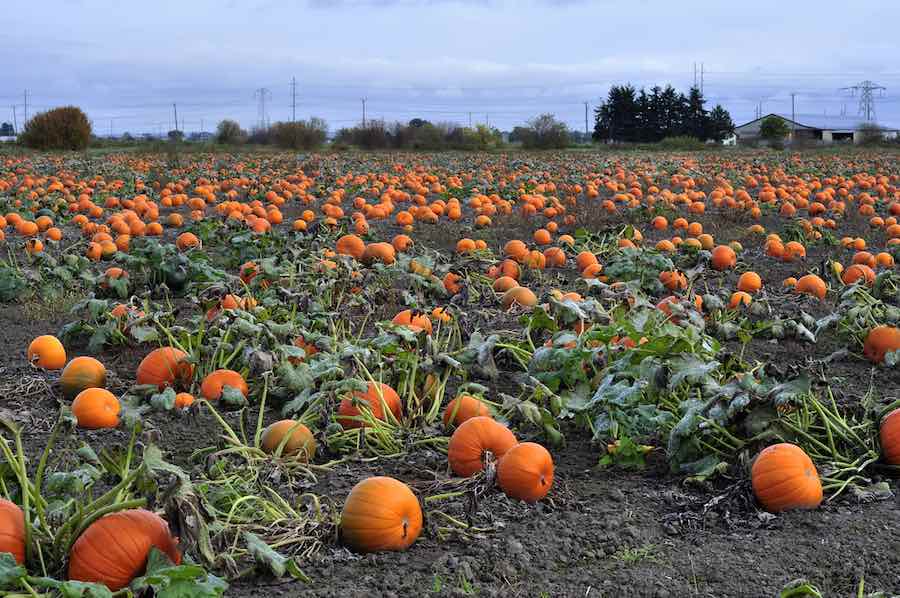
300	135
66	128
544	132
871	134
260	136
681	143
774	130
230	132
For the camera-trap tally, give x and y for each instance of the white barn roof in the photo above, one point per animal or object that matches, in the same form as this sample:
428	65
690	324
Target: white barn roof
824	122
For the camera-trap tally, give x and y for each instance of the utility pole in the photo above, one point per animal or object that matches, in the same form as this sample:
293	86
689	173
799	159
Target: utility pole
364	112
470	120
110	128
701	78
793	115
201	126
866	97
15	124
293	99
175	108
262	94
487	120
695	74
26	105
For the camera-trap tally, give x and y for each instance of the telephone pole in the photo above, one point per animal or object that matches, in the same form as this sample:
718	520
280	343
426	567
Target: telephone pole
866	97
586	104
175	108
487	120
701	78
470	120
26	105
293	99
364	112
15	124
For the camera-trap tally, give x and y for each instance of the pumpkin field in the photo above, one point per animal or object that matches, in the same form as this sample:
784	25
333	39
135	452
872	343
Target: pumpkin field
414	374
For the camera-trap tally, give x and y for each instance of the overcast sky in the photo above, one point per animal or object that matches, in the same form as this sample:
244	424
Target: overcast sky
125	62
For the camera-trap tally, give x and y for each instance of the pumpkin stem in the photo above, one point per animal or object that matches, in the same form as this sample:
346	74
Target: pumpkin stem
405	527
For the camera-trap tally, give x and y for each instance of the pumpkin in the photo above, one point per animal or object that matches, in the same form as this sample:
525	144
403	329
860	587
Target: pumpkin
297	439
462	408
96	408
351	245
380	514
739	299
379	252
472	439
749	282
114	549
212	386
889	434
858	273
453	282
504	283
414	320
47	352
811	284
183	400
516	250
880	341
526	472
12	530
723	257
784	477
373	396
673	280
164	367
82	373
518	296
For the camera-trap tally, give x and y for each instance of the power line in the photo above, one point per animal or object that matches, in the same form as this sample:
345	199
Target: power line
866	97
261	95
364	112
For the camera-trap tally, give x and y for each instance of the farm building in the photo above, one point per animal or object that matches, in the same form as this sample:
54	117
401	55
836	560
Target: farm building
822	130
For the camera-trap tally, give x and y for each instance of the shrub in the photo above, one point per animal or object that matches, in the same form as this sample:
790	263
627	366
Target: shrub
681	143
871	134
545	132
774	130
300	135
230	132
66	128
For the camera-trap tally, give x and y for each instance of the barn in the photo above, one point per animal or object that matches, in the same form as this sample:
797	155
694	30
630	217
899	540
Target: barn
821	130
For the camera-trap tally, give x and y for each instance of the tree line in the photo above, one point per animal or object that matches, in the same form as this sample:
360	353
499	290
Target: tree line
648	117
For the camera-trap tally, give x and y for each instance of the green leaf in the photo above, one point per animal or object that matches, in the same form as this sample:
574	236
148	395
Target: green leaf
270	559
10	572
163	401
233	396
144	334
167	580
800	588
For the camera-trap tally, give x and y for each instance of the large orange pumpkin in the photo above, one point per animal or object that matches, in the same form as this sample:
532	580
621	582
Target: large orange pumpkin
526	472
164	367
12	530
300	440
890	437
114	549
784	477
380	513
474	438
96	408
723	257
212	386
47	352
414	320
347	410
880	341
82	373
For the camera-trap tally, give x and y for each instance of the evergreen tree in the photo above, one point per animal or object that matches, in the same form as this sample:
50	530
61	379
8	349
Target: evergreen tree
720	123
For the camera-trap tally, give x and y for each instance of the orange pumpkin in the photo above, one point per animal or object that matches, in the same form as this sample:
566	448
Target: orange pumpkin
414	320
526	472
749	282
47	352
723	257
518	296
811	284
784	477
379	252
96	408
214	384
373	397
351	245
472	439
114	549
462	408
880	341
82	373
166	366
296	438
183	400
12	530
380	514
890	438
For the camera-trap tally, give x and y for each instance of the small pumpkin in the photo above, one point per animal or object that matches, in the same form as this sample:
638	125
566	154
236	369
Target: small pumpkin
166	366
374	396
723	257
82	373
749	282
47	352
214	384
526	472
114	549
414	320
12	530
472	439
521	296
462	408
880	341
380	514
811	284
184	400
784	477
296	438
96	408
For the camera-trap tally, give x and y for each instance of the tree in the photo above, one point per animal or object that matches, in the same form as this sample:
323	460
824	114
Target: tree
720	124
774	129
230	132
545	132
175	135
696	119
66	128
617	118
301	134
6	130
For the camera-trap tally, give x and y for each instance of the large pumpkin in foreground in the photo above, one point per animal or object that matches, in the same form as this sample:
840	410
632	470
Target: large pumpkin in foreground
114	549
166	366
784	478
890	437
12	530
474	438
380	513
